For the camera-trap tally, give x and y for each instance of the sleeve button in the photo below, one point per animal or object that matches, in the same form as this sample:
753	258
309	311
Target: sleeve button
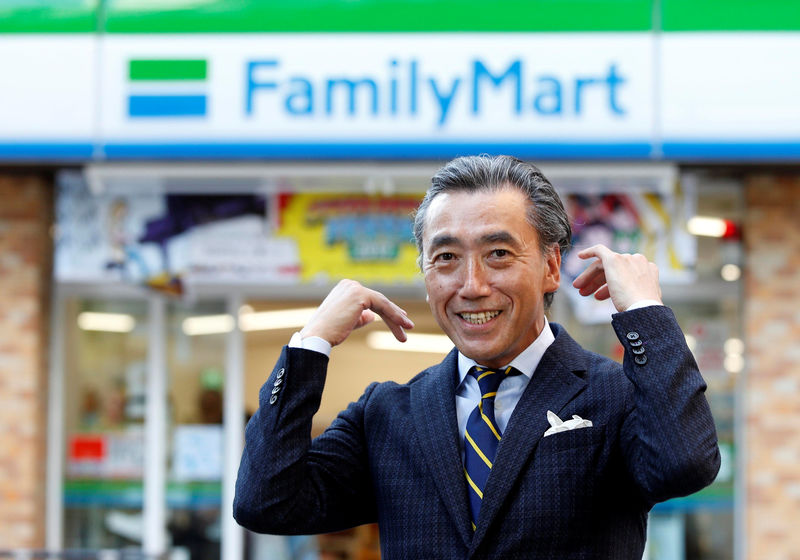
273	399
641	360
633	335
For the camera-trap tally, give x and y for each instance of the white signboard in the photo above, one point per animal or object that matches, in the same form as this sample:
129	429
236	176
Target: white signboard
394	87
578	95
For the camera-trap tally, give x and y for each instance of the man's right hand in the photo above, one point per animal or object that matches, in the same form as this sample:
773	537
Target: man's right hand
350	306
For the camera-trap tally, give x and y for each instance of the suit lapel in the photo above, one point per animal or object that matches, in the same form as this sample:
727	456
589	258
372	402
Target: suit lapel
433	408
552	386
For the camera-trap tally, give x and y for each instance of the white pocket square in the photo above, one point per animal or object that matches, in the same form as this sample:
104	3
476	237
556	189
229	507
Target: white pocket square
557	425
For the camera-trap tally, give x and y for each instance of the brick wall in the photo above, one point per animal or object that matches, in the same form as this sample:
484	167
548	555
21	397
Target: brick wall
772	393
25	257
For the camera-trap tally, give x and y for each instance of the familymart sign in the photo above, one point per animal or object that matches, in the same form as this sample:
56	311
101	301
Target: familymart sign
630	95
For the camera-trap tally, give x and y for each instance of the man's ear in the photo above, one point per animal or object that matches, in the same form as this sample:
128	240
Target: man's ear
552	275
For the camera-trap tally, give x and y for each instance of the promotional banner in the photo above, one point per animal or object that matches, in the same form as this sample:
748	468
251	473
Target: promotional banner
167	241
358	236
171	241
646	222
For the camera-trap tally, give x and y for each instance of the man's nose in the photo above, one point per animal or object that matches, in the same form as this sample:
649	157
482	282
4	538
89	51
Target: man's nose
475	280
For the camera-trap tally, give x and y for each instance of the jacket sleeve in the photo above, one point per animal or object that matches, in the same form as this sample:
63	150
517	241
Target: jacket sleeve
668	437
289	484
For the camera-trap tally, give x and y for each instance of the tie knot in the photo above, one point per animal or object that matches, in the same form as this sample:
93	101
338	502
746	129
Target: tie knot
489	379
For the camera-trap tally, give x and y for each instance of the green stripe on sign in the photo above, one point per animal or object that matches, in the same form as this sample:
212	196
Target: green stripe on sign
43	16
730	15
368	16
139	70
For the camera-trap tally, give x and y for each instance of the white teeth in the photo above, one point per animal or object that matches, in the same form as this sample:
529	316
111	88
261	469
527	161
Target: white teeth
479	318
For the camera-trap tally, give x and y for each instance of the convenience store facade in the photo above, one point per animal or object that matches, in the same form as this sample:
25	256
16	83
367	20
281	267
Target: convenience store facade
288	110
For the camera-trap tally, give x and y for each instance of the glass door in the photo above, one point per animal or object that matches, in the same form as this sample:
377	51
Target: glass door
105	351
144	441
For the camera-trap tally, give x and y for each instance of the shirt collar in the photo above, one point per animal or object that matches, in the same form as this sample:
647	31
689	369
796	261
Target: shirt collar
526	362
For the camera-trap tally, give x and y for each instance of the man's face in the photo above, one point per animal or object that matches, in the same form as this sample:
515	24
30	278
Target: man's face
484	273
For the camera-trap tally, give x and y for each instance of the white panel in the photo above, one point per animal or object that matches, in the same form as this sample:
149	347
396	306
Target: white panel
730	86
47	87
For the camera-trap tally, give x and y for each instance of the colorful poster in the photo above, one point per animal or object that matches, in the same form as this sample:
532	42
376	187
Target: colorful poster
359	236
650	223
167	241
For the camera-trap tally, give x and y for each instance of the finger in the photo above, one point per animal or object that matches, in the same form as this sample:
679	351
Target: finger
366	318
389	311
600	251
594	274
592	286
393	315
603	293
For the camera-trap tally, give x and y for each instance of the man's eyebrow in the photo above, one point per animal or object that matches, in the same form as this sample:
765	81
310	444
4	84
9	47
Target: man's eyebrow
442	240
499	237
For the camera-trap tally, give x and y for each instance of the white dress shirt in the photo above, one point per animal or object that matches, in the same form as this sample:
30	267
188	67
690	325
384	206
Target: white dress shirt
468	394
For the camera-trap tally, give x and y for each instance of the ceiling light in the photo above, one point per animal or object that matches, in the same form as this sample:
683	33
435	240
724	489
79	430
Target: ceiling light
734	346
107	322
706	226
434	343
271	320
208	324
730	272
734	363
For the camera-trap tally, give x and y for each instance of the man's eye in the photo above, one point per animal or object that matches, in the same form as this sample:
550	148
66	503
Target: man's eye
444	257
499	253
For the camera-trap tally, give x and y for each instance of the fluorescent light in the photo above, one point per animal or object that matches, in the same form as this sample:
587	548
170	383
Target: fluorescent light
434	343
271	320
107	322
208	324
707	226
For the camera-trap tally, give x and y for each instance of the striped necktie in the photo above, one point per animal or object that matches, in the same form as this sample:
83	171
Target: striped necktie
482	435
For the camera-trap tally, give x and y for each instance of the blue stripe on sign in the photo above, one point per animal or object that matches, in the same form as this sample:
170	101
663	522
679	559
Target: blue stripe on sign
374	149
167	105
46	150
727	150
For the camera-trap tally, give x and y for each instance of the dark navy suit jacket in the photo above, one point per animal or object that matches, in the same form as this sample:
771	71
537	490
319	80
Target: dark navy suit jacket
394	455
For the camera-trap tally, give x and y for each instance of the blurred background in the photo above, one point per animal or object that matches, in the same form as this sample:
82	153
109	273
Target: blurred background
182	181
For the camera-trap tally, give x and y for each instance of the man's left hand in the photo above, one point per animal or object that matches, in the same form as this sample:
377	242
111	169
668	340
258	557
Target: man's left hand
624	278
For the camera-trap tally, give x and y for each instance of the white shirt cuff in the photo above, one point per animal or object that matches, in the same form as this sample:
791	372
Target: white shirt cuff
643	303
313	343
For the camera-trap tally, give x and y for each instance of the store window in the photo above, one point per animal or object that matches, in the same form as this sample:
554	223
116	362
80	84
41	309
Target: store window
104	404
195	365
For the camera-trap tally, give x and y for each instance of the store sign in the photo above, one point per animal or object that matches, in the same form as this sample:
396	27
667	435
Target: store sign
388	88
399	94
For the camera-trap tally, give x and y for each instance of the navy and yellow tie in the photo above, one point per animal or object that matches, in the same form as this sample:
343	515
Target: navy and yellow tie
482	435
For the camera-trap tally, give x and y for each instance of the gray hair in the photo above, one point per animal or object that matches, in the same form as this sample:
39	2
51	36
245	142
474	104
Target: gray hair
546	212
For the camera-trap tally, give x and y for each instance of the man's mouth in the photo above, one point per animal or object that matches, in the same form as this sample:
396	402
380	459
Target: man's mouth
479	318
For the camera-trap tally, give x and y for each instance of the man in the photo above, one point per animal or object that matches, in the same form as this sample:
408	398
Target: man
451	467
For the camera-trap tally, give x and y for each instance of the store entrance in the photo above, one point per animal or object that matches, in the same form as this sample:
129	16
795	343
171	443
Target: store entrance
125	453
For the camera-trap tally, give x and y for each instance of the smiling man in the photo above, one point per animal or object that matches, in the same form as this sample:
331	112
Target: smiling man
472	458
